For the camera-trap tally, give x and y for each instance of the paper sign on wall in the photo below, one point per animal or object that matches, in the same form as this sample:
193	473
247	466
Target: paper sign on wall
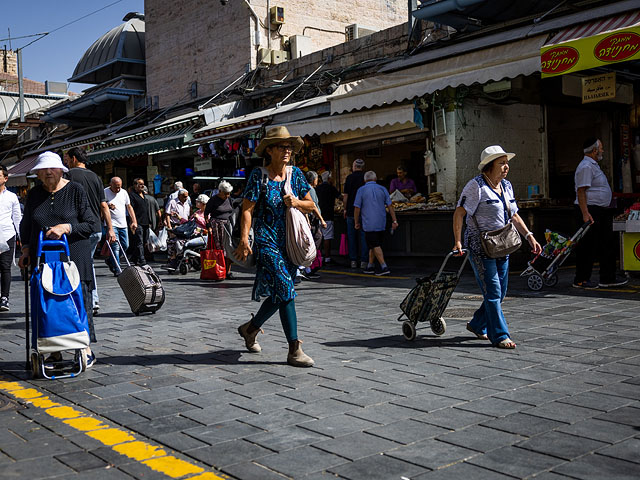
599	87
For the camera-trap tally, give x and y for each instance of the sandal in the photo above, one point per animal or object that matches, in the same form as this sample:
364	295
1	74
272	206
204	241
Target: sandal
507	343
478	335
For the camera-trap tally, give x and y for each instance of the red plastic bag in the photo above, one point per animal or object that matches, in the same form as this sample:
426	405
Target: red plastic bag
104	251
344	248
212	262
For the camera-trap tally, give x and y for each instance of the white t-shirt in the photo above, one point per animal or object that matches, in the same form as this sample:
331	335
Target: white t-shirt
589	174
120	200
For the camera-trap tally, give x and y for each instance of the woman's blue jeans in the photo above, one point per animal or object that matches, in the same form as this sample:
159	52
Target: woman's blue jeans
352	238
492	275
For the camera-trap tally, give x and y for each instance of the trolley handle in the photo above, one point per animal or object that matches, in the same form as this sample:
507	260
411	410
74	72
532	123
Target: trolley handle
44	242
463	252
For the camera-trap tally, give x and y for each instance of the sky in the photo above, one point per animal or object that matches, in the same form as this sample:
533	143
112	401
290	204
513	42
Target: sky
54	57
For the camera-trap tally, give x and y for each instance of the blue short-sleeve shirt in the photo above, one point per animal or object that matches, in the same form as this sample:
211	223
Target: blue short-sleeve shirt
372	199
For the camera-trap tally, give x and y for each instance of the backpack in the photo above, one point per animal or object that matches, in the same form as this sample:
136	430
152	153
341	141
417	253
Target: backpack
232	227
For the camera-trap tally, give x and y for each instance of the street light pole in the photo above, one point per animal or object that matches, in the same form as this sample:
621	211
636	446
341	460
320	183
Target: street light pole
20	86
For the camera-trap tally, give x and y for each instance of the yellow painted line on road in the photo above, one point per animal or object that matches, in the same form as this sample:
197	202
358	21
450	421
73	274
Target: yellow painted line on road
365	275
121	441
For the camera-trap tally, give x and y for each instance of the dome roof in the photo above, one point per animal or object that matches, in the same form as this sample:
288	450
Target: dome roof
118	52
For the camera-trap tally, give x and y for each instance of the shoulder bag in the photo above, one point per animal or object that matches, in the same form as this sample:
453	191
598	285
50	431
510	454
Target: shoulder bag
503	241
301	246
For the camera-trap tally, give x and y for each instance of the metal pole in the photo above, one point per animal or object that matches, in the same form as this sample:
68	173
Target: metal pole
411	7
20	86
268	26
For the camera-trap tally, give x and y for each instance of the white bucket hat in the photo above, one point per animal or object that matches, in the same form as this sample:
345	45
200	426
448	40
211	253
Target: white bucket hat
49	160
489	154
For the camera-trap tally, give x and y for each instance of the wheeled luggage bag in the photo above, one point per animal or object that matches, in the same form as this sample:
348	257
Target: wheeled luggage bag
58	317
427	301
141	286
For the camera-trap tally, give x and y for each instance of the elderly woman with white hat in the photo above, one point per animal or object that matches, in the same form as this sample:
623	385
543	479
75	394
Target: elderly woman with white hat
266	206
60	207
488	199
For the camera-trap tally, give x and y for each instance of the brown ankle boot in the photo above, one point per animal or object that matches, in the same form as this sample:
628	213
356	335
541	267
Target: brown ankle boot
296	357
249	332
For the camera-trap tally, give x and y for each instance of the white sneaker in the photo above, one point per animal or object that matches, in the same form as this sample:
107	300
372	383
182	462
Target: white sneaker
354	264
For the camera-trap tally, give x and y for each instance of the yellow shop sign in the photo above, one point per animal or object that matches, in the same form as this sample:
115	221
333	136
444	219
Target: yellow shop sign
595	51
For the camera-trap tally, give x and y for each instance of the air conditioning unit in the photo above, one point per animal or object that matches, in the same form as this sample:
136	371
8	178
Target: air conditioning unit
354	31
300	46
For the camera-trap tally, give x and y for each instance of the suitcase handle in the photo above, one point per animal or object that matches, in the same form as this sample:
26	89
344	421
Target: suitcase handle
114	257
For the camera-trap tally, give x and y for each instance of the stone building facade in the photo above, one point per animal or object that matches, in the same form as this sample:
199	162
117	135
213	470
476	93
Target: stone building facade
197	47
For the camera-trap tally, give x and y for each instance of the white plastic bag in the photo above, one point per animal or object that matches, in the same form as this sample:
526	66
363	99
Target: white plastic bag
4	246
158	242
397	196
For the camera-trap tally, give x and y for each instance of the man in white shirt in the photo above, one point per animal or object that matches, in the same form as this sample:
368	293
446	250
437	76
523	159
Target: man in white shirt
119	204
177	186
178	209
10	217
593	197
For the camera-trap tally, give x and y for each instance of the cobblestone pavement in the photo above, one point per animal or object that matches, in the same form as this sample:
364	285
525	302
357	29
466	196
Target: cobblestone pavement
175	395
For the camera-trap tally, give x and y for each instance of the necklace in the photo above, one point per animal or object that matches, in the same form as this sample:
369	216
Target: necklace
493	185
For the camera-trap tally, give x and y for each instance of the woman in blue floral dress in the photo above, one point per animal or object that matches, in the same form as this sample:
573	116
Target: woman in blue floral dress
265	205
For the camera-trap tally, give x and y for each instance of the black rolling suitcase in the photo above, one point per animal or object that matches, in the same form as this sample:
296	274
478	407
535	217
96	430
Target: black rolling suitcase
141	286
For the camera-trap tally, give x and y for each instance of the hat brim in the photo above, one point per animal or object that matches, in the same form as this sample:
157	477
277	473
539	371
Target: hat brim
492	157
35	169
267	142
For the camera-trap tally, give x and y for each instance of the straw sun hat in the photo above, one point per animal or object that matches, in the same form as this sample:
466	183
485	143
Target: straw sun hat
277	135
489	154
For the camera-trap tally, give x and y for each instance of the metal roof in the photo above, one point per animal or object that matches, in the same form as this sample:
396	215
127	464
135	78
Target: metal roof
32	103
119	51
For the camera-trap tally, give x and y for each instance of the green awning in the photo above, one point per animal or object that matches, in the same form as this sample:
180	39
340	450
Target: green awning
145	144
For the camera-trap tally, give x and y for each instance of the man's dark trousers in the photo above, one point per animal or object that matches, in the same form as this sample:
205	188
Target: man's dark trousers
598	243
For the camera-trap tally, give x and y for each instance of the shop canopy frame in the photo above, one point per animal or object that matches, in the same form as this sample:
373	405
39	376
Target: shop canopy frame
405	116
253	122
171	134
146	144
491	64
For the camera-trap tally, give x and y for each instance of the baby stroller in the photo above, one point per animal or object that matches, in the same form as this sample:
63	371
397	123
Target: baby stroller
58	317
188	243
543	269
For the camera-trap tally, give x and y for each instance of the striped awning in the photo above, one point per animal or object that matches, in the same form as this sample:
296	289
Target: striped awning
605	25
598	43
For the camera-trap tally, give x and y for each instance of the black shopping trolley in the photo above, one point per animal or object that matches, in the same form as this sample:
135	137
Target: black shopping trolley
543	269
427	301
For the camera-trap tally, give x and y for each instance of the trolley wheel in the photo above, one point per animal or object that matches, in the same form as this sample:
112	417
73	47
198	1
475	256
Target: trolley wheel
184	268
551	281
438	326
35	365
82	358
534	282
408	330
